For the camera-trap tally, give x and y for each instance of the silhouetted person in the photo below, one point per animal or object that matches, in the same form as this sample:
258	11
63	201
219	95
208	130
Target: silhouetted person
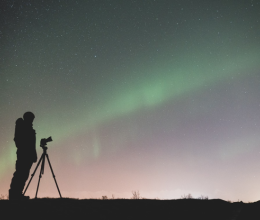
25	139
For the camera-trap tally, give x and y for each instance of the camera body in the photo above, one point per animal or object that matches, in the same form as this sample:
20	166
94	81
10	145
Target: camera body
44	141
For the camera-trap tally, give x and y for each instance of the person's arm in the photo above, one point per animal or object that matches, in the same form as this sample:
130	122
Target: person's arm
18	135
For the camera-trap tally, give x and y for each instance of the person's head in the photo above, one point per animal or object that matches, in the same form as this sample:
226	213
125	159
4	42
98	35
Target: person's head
28	117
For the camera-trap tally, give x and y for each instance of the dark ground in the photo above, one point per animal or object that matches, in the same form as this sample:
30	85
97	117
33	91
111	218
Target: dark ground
129	209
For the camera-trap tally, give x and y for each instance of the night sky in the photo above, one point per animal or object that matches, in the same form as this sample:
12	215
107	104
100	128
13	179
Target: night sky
159	96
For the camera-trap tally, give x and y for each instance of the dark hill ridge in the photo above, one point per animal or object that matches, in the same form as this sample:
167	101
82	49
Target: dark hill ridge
250	211
180	209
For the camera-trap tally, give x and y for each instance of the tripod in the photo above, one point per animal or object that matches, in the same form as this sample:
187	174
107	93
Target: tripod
42	159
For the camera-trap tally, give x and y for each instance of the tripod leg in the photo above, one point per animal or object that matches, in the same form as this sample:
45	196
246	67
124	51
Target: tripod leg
40	175
43	164
53	175
33	174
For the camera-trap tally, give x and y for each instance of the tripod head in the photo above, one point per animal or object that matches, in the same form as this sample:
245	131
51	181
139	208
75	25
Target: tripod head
44	142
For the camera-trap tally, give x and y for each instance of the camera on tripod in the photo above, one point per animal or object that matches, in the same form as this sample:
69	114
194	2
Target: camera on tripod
44	141
43	144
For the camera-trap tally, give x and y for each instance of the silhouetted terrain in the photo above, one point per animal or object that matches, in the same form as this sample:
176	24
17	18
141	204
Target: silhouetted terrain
128	209
250	211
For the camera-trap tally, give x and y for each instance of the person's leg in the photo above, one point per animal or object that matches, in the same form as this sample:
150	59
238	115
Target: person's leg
14	190
25	174
19	178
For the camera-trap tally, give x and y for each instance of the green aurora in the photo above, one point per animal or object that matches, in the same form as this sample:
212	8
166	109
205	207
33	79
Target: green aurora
163	85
